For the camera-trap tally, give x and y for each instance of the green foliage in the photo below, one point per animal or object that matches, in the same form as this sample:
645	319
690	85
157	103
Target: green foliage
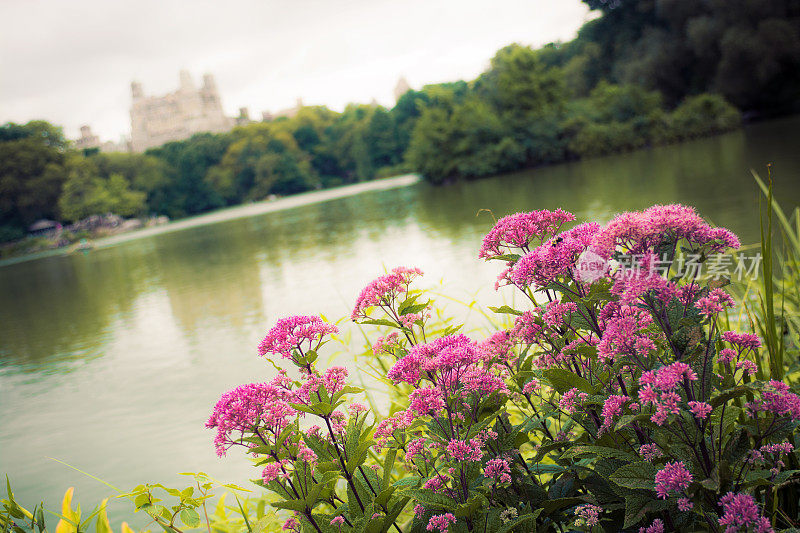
85	193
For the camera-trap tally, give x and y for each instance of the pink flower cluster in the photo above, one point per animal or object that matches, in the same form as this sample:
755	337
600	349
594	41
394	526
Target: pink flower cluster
744	341
776	399
649	452
642	279
554	259
568	400
700	410
625	333
384	290
498	469
740	512
299	333
465	450
673	477
612	407
440	522
656	527
589	513
240	410
519	229
716	301
641	232
442	355
426	401
658	388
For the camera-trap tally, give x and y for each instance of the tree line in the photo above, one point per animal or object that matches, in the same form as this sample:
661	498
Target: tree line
646	72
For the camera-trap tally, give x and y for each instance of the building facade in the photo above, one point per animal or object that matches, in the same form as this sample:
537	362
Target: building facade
89	140
156	120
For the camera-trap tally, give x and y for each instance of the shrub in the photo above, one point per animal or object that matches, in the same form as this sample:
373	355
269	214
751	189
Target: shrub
616	400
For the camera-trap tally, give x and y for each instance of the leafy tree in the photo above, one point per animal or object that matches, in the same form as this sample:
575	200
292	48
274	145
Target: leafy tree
31	174
86	193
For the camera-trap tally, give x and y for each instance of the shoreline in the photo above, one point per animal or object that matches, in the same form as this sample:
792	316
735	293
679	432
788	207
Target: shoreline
233	213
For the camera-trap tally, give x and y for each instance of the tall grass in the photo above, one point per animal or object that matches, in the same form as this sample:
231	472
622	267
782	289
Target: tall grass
773	300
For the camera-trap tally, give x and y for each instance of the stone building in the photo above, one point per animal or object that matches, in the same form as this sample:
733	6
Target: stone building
401	88
290	112
89	140
156	120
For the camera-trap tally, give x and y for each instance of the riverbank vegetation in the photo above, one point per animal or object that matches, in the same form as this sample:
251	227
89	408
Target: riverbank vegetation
642	74
619	394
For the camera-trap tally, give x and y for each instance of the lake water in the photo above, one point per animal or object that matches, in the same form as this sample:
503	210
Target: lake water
111	361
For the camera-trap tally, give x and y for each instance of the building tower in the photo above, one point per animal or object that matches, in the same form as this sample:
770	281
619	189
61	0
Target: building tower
401	88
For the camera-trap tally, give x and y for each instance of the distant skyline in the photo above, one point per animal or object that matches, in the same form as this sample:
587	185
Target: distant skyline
71	63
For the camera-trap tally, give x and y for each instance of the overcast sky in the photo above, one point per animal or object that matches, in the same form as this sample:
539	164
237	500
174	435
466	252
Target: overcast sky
71	62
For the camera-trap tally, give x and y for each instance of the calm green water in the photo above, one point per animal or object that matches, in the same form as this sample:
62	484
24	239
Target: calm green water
111	361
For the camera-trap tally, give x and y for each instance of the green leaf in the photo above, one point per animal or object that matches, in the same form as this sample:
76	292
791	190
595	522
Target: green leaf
379	322
563	380
638	504
729	394
504	309
190	517
639	475
297	504
505	257
600	451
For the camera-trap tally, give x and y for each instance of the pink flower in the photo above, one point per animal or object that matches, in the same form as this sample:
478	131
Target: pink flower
414	448
520	229
700	410
741	510
384	290
555	258
307	455
271	472
334	379
674	476
295	333
384	344
589	513
742	340
748	366
567	401
656	527
612	408
776	399
714	303
726	355
387	427
464	451
498	469
642	232
238	411
355	409
426	401
557	313
650	452
292	524
440	522
684	504
444	355
337	521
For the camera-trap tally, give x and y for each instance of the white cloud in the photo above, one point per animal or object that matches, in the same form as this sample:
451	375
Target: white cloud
72	62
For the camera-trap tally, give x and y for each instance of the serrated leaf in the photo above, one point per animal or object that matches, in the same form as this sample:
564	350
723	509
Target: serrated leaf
639	475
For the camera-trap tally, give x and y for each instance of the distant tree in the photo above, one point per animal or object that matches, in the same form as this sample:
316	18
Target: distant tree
86	193
32	174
